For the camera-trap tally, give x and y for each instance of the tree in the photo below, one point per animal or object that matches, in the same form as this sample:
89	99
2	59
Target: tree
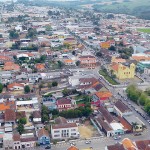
40	86
78	63
147	108
73	53
43	58
26	89
22	121
99	54
13	34
54	83
60	64
20	128
49	85
143	99
48	28
135	126
65	92
112	48
1	87
45	114
31	33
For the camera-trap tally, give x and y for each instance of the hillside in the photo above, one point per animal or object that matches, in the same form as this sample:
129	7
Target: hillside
140	8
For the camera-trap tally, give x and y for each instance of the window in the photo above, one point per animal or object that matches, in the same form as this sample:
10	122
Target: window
73	129
56	131
73	133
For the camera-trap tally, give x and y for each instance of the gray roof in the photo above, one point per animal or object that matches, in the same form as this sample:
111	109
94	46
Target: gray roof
133	119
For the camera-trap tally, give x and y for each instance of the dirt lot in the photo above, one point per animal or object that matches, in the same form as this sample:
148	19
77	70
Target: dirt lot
87	130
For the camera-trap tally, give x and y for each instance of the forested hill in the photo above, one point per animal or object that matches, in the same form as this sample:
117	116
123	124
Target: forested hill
139	8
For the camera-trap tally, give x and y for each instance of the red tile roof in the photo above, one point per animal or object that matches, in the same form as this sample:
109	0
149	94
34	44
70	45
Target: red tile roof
63	101
10	115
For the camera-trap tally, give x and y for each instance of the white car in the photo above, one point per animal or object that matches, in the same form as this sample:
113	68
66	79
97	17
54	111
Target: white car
148	121
87	142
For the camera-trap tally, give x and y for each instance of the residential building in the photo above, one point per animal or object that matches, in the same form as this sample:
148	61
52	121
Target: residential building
16	141
121	109
8	66
99	97
15	86
64	130
28	142
43	137
64	104
117	146
88	61
36	116
10	116
135	122
128	144
8	141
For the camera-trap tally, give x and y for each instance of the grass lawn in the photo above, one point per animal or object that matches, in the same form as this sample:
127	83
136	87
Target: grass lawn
145	30
108	78
80	99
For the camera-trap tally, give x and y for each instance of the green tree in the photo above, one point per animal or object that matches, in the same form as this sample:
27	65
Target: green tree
133	93
49	85
147	108
65	92
78	63
48	28
31	33
22	121
99	54
1	87
26	89
20	128
54	83
43	58
13	34
60	64
73	52
45	114
112	48
143	99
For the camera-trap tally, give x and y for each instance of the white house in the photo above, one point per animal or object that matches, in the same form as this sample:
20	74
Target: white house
36	116
121	109
64	130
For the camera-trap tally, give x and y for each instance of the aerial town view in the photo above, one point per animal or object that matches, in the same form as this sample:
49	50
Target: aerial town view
75	74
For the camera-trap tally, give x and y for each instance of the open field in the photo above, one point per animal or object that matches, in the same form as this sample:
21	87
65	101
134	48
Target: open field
85	131
145	30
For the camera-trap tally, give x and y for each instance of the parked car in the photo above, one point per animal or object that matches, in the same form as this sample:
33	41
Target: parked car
48	147
87	142
72	144
148	121
137	134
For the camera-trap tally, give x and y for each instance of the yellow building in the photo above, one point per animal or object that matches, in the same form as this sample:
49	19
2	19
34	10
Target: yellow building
123	72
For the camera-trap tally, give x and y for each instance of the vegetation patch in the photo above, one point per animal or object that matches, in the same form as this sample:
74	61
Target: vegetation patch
145	30
107	77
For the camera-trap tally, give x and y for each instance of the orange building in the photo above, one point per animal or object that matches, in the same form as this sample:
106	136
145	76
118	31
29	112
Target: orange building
40	67
8	66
